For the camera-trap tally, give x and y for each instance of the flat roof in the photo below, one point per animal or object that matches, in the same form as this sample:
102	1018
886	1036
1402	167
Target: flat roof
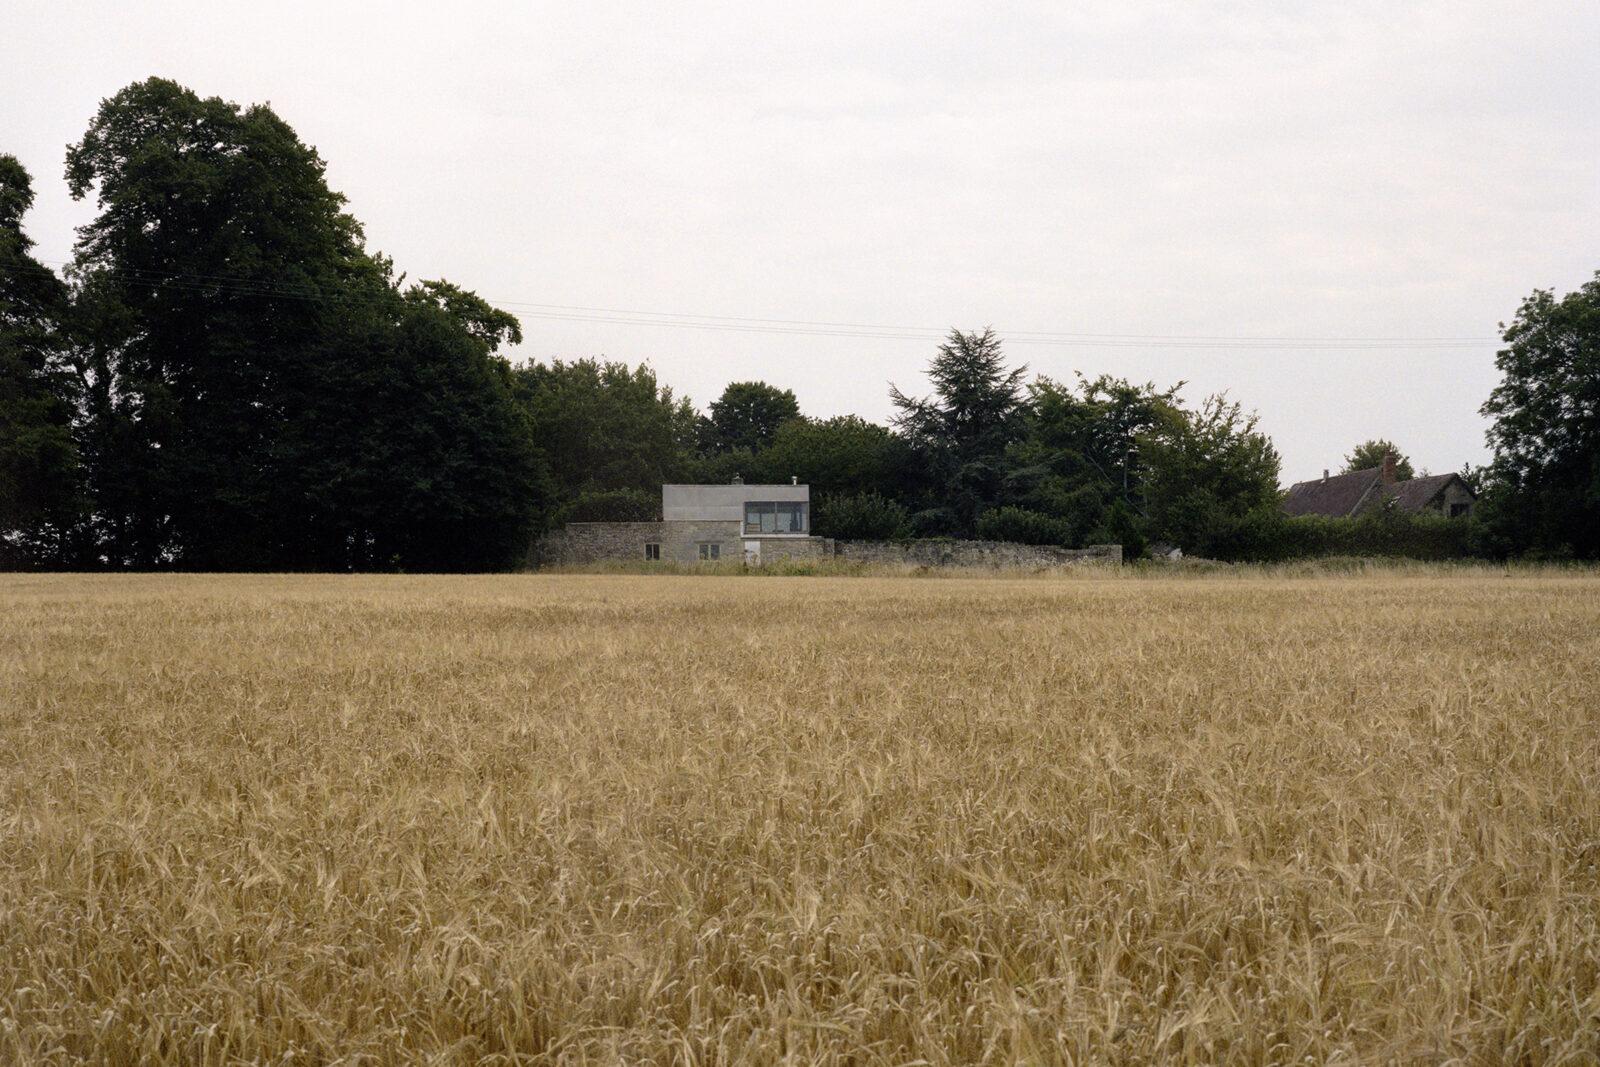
735	485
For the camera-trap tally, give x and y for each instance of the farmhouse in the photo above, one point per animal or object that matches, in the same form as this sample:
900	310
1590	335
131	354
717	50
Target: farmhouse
1348	495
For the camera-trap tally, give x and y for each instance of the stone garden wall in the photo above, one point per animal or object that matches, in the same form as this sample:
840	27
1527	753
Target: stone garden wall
776	548
581	543
941	553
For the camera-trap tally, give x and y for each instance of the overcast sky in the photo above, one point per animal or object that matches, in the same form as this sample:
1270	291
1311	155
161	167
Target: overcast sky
1170	170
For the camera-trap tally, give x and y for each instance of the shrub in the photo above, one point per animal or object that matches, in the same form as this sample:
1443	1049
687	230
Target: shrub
1123	527
1022	526
934	522
859	517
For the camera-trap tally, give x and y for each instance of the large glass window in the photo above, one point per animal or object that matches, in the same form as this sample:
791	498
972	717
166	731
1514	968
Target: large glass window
774	517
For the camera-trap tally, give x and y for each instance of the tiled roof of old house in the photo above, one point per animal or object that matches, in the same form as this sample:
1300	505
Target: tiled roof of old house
1337	496
1413	494
1343	495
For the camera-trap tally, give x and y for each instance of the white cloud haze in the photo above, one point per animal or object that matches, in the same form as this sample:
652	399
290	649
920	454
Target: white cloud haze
1273	169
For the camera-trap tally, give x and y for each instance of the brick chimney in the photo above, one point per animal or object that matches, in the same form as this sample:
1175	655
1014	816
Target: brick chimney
1386	473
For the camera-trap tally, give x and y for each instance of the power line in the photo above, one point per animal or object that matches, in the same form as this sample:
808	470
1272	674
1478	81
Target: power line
614	316
1011	338
1009	335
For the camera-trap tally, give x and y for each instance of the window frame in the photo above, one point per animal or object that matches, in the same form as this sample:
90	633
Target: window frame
652	551
710	551
766	513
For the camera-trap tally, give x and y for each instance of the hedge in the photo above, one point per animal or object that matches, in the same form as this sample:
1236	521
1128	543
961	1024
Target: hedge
1270	537
1023	527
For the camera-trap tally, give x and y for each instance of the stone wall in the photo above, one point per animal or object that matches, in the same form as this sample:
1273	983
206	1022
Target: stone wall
940	553
776	548
580	543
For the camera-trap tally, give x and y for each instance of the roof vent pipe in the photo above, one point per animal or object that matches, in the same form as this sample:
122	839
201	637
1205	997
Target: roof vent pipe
794	479
1324	473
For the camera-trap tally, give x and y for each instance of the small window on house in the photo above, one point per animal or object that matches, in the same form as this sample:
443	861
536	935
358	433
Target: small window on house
710	550
1458	510
652	551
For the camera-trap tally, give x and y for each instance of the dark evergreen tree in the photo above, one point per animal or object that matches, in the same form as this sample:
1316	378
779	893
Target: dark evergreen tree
963	429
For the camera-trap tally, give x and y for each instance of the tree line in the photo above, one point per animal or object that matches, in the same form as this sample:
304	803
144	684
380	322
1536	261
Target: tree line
225	377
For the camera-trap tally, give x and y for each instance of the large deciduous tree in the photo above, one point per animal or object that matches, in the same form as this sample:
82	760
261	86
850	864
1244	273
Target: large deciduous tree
842	455
1078	460
1543	484
39	469
605	426
747	416
219	265
1370	454
463	482
259	391
1207	473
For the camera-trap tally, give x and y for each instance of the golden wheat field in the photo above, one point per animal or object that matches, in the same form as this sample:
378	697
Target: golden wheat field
551	819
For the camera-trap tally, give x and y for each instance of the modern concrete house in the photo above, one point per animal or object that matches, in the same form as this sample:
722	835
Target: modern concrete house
765	523
771	510
705	524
